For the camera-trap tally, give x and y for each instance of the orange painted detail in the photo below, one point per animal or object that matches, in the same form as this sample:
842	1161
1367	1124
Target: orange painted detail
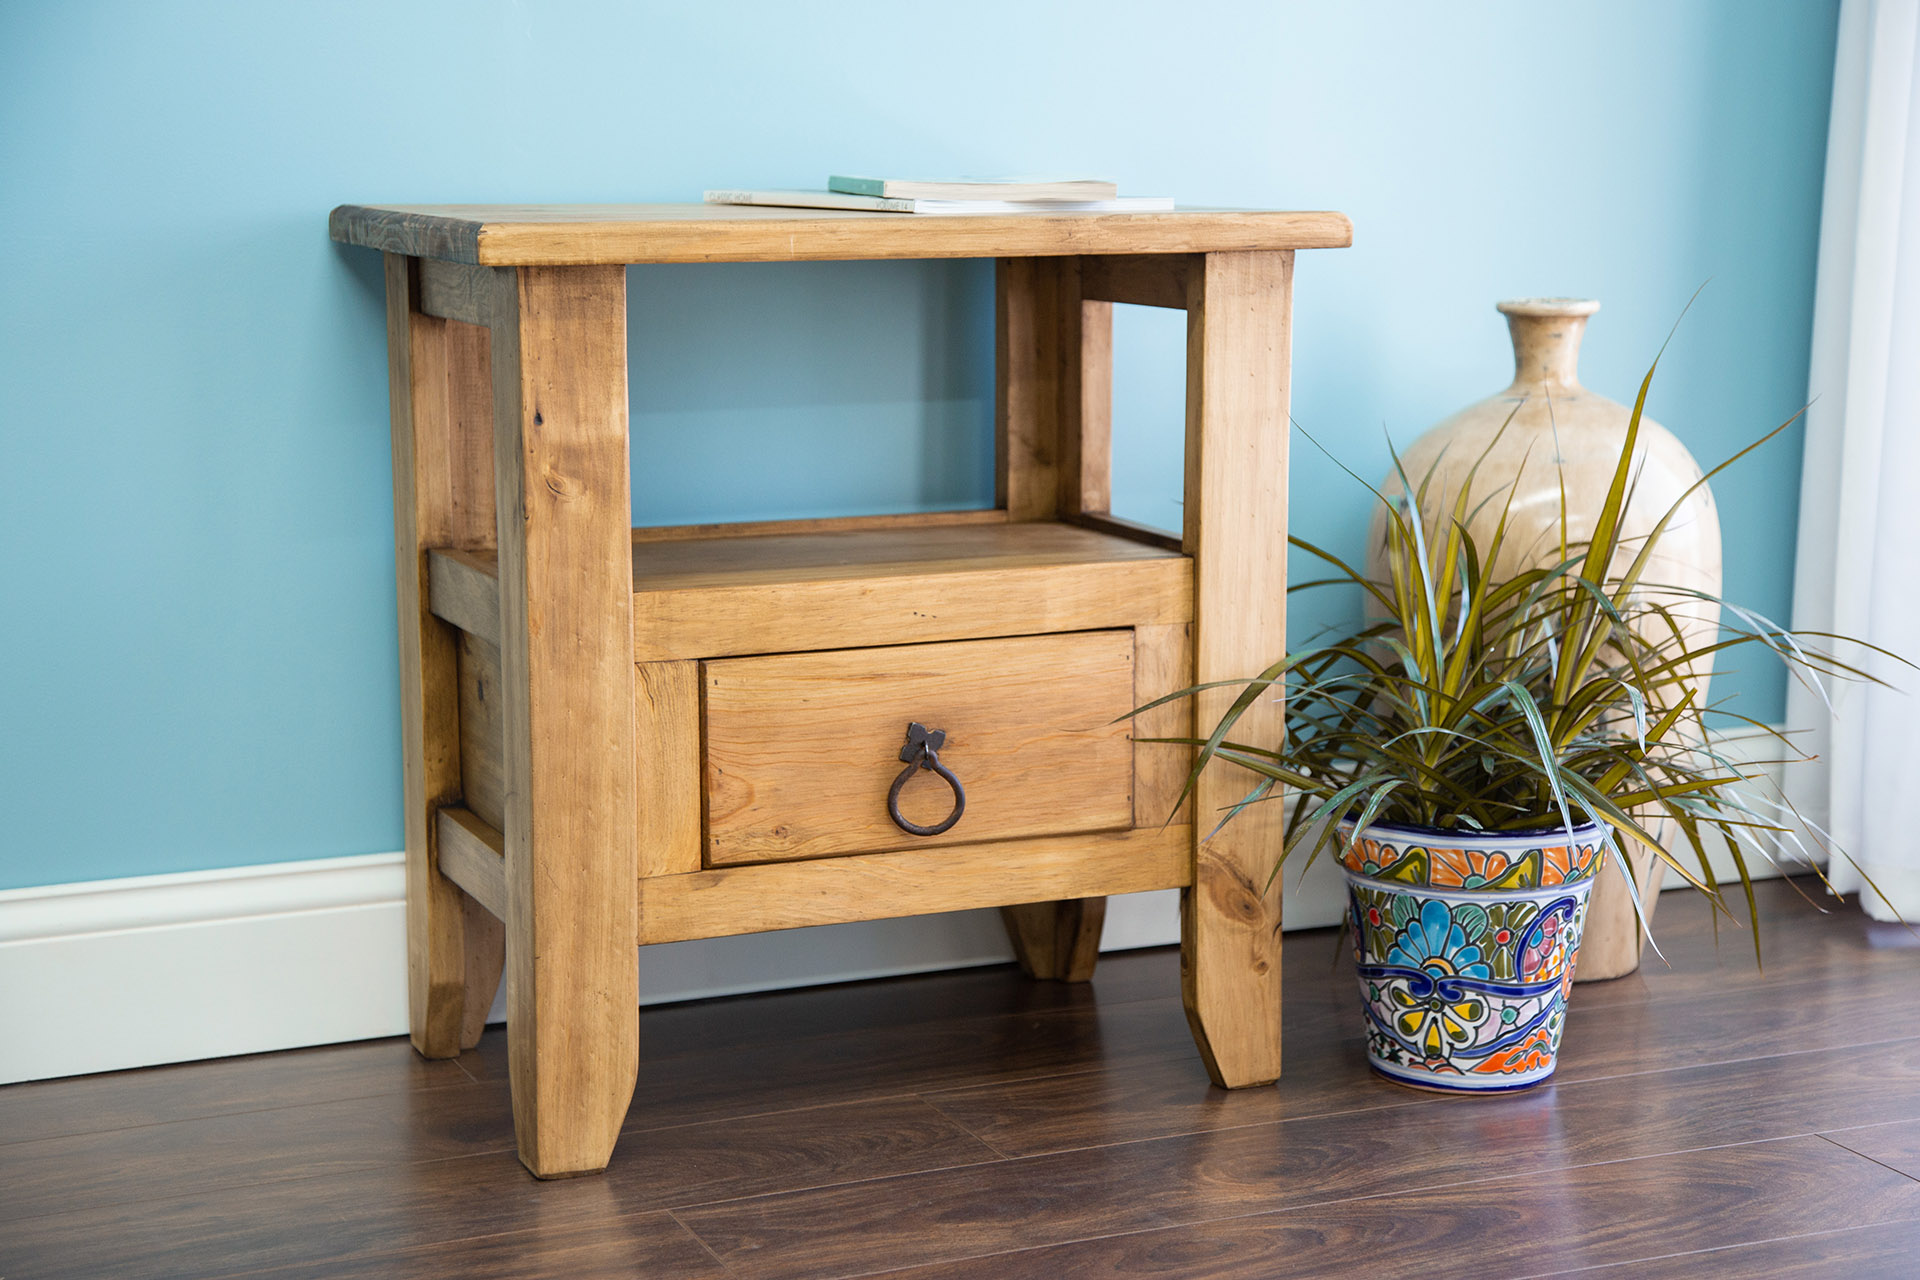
1535	1051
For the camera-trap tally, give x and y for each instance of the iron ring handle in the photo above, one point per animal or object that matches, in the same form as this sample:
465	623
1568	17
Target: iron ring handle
923	752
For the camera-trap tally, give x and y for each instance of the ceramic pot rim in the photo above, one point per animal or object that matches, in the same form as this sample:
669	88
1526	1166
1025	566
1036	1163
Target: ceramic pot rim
1468	837
1461	893
1471	861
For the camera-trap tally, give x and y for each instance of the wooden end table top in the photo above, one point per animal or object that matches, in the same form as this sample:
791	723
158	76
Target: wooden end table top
524	235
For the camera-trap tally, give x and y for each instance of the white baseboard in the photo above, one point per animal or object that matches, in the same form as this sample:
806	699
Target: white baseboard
112	974
204	964
124	973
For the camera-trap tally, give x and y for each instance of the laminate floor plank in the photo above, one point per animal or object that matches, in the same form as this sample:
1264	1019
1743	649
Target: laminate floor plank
650	1246
759	1019
1169	1097
1804	936
1616	1212
1326	1072
879	1058
746	1021
1786	1016
1224	1173
882	1061
223	1086
98	1170
399	1207
1884	1252
975	1124
1895	1145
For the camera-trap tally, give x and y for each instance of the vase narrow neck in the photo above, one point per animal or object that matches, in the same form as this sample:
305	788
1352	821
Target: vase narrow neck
1546	352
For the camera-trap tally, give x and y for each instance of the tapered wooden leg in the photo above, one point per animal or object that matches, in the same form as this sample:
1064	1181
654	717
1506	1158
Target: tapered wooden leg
1238	334
1057	940
442	497
486	955
1054	378
567	688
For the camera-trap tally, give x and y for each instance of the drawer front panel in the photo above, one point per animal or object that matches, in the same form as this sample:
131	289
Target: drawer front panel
802	748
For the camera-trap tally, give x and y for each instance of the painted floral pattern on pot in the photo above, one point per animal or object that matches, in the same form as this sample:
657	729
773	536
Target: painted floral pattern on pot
1474	860
1465	985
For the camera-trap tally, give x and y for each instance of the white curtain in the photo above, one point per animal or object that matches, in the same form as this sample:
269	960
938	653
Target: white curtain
1859	553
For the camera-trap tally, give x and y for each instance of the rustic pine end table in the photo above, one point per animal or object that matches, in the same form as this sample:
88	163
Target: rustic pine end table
618	736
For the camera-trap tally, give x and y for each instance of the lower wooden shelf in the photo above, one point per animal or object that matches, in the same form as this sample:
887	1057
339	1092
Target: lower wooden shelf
872	886
875	886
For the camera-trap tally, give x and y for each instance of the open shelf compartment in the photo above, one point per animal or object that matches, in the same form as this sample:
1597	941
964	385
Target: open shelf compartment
836	584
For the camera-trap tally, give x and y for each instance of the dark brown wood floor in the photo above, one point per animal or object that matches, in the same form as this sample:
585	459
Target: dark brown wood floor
1706	1120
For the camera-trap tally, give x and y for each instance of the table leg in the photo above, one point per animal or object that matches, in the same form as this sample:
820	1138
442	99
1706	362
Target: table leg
486	955
1239	314
1053	384
567	677
1057	940
442	497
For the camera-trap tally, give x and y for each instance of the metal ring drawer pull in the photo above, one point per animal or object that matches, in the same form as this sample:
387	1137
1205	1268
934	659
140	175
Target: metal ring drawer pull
923	752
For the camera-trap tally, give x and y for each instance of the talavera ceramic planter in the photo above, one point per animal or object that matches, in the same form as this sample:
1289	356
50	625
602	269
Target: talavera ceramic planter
1465	945
1544	438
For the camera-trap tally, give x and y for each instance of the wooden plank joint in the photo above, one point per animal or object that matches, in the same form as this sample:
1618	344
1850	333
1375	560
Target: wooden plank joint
1141	280
464	589
474	856
455	290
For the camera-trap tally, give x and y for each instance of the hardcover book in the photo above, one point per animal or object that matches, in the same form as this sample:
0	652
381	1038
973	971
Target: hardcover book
889	204
976	188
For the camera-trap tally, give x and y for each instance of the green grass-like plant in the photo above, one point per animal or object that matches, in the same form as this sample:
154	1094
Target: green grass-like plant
1558	695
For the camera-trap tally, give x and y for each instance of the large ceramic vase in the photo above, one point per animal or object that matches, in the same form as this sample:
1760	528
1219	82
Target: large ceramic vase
1557	433
1465	945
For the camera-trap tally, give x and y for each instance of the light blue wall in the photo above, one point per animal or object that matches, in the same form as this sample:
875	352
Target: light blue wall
197	629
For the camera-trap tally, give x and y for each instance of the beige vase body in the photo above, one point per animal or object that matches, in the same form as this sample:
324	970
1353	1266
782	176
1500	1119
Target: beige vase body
1560	433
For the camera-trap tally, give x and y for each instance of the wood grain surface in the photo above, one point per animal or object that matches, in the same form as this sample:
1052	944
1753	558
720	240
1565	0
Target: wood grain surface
1053	460
473	856
758	897
1571	1218
827	588
524	235
803	749
438	376
1895	1145
824	524
1708	1120
1056	941
482	733
1239	336
1142	281
1883	1252
455	291
465	590
567	697
1162	665
1036	326
667	761
912	604
861	554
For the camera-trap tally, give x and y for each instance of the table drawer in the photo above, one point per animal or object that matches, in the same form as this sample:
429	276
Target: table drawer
801	749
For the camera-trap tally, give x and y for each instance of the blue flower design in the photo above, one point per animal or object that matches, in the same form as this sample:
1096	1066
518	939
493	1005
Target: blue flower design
1442	1020
1435	943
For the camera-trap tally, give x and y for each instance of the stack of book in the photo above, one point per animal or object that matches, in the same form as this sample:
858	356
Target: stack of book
965	195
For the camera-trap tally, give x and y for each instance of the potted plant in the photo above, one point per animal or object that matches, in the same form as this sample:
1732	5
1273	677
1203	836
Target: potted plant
1474	750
